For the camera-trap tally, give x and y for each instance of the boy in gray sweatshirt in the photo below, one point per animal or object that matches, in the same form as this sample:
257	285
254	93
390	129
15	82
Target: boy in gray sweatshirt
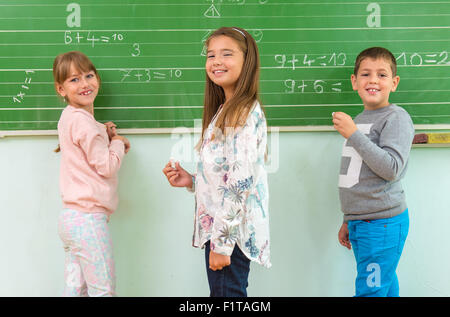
374	160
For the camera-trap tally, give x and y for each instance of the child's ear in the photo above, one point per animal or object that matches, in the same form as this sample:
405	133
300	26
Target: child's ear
395	82
60	90
353	79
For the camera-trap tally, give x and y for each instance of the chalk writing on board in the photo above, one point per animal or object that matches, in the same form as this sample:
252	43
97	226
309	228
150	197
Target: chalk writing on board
204	38
293	61
146	75
311	86
136	50
306	60
419	59
72	37
227	1
212	12
256	33
24	88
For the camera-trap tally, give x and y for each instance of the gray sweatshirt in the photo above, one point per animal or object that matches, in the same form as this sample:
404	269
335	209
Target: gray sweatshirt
374	160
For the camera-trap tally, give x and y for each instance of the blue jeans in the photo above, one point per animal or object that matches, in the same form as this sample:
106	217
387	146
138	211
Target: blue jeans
232	280
378	245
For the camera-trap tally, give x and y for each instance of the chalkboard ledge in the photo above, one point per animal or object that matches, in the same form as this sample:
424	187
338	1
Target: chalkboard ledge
181	130
178	130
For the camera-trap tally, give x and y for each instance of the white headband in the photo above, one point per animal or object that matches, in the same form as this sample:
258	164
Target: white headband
239	31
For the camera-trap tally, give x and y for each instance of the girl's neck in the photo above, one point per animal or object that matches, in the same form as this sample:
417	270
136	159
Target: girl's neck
88	108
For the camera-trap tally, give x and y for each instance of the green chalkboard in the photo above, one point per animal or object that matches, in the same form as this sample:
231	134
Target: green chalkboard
150	56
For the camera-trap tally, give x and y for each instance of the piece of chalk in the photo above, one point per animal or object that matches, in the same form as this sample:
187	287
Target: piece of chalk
332	114
172	162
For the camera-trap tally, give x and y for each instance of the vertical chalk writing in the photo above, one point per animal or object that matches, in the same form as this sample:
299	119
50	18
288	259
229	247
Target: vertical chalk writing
18	98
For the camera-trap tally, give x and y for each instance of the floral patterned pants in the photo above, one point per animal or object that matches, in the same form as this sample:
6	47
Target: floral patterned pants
89	265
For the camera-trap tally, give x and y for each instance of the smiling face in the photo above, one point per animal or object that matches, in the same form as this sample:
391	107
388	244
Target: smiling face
224	63
79	88
374	82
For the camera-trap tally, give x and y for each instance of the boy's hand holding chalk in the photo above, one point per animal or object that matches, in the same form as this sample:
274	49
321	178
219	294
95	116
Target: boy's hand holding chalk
344	124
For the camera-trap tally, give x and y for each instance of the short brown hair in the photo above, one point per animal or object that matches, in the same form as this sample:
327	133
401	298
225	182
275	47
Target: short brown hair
375	53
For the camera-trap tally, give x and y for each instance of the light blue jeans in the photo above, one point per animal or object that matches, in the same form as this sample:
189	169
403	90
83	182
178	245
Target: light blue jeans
378	245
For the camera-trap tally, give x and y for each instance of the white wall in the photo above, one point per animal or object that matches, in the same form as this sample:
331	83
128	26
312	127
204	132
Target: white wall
152	228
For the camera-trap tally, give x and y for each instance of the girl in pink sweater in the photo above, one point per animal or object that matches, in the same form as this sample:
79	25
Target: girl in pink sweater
91	155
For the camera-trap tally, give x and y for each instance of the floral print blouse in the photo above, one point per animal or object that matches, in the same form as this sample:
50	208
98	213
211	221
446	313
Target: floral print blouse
231	190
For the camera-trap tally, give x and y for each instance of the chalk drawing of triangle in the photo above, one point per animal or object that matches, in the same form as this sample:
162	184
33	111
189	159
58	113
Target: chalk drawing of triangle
212	12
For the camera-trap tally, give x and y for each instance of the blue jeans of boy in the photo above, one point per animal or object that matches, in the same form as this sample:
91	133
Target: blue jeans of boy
378	245
232	280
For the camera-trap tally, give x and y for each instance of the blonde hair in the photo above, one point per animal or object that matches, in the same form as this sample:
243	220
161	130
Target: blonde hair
61	69
235	110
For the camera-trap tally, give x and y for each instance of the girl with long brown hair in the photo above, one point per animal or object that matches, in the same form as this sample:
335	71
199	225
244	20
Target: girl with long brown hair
231	191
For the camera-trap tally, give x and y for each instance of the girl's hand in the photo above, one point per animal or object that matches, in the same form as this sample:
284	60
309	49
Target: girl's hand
111	129
343	236
177	177
344	124
124	140
218	261
127	144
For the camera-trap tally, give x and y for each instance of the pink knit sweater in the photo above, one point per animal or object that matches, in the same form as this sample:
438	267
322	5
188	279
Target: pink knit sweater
89	163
